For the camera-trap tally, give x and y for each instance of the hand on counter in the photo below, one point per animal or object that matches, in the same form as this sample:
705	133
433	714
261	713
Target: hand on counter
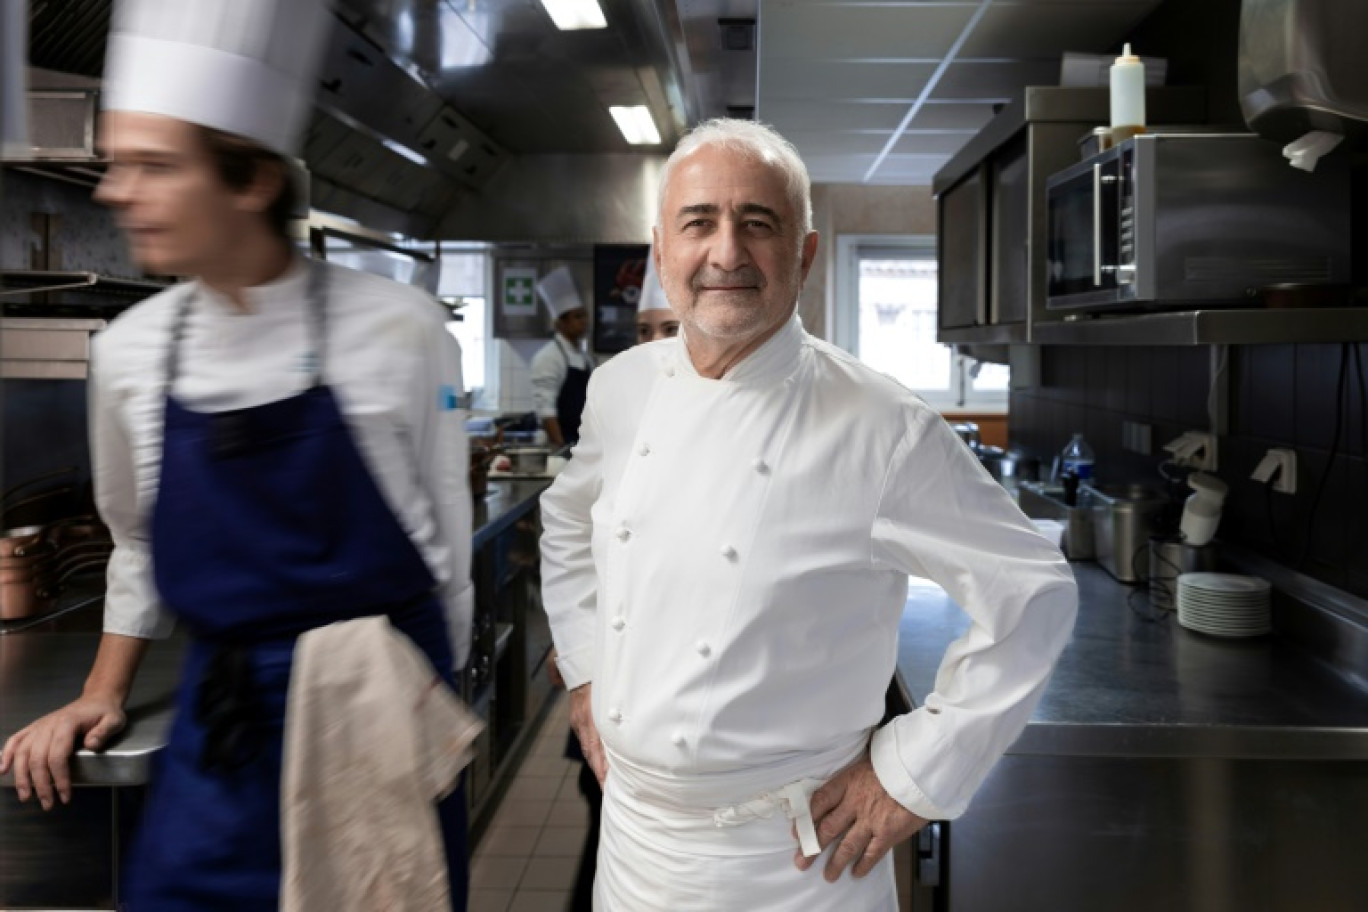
582	721
40	754
854	808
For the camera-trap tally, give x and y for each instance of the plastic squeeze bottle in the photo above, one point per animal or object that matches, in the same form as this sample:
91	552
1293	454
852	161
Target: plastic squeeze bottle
1127	96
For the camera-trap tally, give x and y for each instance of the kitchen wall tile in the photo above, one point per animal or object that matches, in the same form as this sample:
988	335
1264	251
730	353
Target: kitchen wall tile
1139	395
1117	364
1095	392
1318	372
1164	386
1192	376
1270	405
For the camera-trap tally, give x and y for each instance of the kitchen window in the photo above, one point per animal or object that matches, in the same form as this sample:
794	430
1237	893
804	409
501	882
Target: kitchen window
886	316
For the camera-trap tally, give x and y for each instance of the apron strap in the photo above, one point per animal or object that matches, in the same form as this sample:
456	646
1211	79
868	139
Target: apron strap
793	799
318	323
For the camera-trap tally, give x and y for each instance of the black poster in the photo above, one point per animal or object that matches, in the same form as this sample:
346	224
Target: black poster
618	271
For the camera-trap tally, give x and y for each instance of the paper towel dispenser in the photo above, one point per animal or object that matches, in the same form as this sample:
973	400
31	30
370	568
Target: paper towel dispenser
1303	71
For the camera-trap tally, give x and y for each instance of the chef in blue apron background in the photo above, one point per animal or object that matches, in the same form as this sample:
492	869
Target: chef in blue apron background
276	446
560	370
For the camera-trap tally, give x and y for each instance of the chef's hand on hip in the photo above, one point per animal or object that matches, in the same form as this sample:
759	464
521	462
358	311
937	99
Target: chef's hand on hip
582	721
40	754
854	808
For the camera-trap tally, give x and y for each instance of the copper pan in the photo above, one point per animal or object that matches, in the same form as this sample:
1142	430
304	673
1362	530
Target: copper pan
23	597
24	541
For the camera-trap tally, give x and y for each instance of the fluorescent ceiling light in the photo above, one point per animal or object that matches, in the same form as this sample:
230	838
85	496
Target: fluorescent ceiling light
575	14
636	125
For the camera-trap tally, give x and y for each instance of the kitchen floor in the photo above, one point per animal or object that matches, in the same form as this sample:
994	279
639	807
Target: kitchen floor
528	858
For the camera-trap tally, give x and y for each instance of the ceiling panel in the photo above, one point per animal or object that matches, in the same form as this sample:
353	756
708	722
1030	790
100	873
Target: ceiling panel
860	31
835	115
841	77
801	79
1045	29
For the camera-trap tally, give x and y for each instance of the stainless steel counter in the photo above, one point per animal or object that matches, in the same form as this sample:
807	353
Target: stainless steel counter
1128	686
41	670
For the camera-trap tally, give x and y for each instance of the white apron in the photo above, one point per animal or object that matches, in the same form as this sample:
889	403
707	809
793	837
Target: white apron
665	847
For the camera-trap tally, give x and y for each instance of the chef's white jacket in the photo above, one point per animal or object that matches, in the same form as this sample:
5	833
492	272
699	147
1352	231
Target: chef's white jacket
727	561
549	366
396	373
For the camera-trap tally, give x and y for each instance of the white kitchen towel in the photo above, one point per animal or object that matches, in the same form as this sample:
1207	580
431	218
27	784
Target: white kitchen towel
373	738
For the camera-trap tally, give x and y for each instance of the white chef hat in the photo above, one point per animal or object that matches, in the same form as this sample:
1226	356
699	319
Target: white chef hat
558	293
246	67
652	292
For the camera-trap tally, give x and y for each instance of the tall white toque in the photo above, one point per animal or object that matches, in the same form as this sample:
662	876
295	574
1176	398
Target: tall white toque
246	67
558	292
652	292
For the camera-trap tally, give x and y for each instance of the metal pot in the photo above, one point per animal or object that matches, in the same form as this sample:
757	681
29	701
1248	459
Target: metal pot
24	542
527	460
25	594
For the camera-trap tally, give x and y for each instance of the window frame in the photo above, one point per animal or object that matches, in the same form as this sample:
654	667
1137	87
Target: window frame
843	316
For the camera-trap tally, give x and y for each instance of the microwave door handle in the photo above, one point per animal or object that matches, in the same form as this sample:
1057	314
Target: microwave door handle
1097	225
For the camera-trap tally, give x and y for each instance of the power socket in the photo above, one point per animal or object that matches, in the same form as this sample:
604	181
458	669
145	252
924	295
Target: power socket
1194	449
1280	465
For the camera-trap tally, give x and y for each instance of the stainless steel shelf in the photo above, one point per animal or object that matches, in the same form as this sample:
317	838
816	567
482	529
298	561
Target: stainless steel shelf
33	281
1211	327
1000	334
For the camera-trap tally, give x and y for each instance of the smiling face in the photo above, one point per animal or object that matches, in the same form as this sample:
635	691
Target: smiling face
730	248
169	196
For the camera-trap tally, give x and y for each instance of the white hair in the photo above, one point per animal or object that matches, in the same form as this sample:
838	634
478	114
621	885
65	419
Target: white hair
756	140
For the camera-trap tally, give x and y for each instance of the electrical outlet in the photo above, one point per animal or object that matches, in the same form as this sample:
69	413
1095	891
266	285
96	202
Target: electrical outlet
1194	449
1279	465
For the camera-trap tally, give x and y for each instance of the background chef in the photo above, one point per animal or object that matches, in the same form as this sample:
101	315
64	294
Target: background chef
725	563
275	446
655	320
560	370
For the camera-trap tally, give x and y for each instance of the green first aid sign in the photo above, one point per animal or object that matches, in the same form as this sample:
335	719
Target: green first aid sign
519	292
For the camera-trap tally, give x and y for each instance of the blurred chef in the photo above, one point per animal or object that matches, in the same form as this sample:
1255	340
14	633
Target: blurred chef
561	369
725	563
655	320
275	444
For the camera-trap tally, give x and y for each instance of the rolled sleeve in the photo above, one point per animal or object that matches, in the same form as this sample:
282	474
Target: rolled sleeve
132	607
942	517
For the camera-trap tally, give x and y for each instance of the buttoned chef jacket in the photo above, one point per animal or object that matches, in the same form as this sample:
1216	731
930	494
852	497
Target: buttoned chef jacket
549	366
396	372
727	561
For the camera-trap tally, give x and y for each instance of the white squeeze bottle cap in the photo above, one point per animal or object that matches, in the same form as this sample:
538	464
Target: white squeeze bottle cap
1127	91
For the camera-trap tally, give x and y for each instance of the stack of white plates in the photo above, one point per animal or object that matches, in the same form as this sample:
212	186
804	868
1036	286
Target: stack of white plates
1224	604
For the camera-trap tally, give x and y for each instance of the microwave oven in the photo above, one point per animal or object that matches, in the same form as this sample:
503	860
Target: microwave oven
1185	220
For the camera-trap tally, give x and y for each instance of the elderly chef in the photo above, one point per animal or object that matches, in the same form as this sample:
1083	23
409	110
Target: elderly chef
276	446
725	562
655	320
561	369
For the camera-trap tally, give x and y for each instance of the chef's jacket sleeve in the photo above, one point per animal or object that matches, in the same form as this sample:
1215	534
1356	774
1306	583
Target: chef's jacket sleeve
569	578
942	517
548	376
443	463
132	607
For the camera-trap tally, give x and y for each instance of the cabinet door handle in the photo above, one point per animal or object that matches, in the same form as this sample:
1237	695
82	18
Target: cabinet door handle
929	855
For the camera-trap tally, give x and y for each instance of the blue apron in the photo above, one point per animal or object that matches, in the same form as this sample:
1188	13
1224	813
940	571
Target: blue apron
574	391
267	524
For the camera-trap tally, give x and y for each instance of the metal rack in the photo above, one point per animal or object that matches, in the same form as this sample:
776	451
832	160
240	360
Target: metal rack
38	281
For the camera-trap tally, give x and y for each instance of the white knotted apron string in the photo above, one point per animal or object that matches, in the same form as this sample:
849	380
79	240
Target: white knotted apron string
793	798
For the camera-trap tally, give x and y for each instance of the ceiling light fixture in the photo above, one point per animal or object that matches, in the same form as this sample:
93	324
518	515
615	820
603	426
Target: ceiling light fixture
636	124
571	15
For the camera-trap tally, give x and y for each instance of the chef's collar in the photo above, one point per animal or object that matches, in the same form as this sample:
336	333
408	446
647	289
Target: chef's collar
770	363
289	289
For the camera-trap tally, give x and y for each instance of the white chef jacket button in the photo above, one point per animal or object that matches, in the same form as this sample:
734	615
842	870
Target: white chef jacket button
619	622
669	371
729	552
759	465
615	715
703	649
677	739
623	533
644	450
